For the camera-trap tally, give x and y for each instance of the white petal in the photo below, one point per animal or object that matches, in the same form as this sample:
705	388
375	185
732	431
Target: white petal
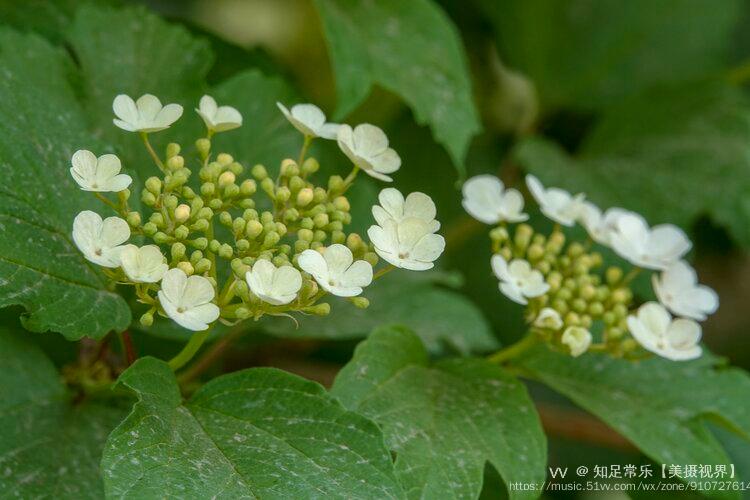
198	291
358	275
329	130
168	115
148	107
287	281
173	286
313	262
420	206
512	292
500	268
386	162
125	109
338	258
208	106
115	231
369	140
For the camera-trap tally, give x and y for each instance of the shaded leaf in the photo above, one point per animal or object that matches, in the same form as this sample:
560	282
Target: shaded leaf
40	267
444	421
695	135
659	405
410	48
48	447
255	433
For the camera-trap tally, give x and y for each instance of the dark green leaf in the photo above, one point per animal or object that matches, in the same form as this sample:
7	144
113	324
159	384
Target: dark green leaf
444	421
442	318
40	268
48	448
659	405
259	433
662	154
410	48
592	53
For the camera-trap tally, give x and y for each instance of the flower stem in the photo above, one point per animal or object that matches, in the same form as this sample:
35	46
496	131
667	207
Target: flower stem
190	349
631	275
514	350
210	356
127	347
382	272
303	151
107	202
153	154
350	178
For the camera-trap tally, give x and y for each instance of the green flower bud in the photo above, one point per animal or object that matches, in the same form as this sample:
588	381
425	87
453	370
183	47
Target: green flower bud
283	194
215	204
178	251
266	217
248	187
123	195
175	162
236	168
596	309
342	203
316	245
305	235
354	242
288	168
338	237
267	185
320	220
555	242
319	195
335	226
241	289
224	159
319	235
205	213
253	228
296	183
225	251
186	267
523	235
575	250
360	302
280	260
238	226
148	198
281	228
225	218
372	258
587	292
615	333
147	319
238	267
506	254
335	184
271	239
620	311
572	319
202	266
304	197
259	172
208	188
291	215
499	234
243	245
162	238
613	275
310	166
199	243
153	184
203	146
200	225
621	295
247	203
318	309
214	246
149	229
182	213
170	201
173	149
134	219
579	305
301	245
181	232
250	214
226	179
560	306
535	252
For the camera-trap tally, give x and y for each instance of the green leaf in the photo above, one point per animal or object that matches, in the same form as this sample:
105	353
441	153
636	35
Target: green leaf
695	134
441	317
138	53
444	421
410	48
592	53
255	433
661	406
49	448
40	268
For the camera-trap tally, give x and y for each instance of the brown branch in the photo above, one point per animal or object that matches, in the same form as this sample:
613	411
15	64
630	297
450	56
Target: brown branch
127	345
209	357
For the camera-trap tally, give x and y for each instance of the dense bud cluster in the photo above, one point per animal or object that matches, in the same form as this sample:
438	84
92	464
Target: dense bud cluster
283	237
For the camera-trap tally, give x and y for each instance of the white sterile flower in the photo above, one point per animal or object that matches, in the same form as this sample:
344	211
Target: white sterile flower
218	118
394	207
99	240
367	147
409	244
548	319
518	280
577	339
275	285
144	115
98	174
487	200
335	270
678	290
187	300
652	248
600	226
310	120
557	204
656	331
144	264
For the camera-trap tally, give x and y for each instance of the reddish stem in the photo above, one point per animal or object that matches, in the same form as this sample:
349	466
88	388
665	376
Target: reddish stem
127	343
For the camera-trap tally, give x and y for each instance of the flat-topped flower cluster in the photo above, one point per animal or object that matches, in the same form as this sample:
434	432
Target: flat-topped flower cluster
570	300
283	236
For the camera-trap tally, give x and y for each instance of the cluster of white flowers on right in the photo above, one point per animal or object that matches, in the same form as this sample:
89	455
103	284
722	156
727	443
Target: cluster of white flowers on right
568	303
283	259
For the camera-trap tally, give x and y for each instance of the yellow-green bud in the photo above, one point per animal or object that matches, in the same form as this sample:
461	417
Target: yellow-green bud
613	275
296	183
259	172
148	198
271	239
202	266
226	179
250	214
173	149
320	220
150	228
319	235
499	234
238	226
162	238
208	188
289	168
523	235
214	246
307	223
248	187
199	243
596	309
224	159
360	302
336	225
175	162
134	219
301	245
225	218
280	228
319	195
243	245
203	146
572	319
236	168
338	237
621	295
305	235
560	306
575	250
579	305
371	258
555	242
335	184
318	309
182	212
178	251
535	252
123	195
181	232
231	191
147	319
170	201
304	197
342	203
200	225
620	310
186	267
205	213
268	186
588	292
253	228
153	184
283	194
225	251
310	166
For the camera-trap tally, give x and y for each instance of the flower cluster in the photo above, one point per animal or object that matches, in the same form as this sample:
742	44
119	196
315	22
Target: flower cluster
571	301
283	237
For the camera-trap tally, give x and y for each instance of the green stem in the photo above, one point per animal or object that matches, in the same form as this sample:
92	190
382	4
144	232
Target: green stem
631	275
190	349
153	154
383	271
514	350
351	176
107	202
303	152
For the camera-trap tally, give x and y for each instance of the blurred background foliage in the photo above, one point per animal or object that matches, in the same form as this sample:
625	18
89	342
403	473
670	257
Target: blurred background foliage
639	103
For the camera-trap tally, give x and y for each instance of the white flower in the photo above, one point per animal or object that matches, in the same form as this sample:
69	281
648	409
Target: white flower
188	300
409	244
487	200
600	226
548	319
144	115
678	289
394	207
577	339
98	174
143	265
98	239
518	280
275	285
335	270
310	120
218	118
367	147
650	248
656	331
555	203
